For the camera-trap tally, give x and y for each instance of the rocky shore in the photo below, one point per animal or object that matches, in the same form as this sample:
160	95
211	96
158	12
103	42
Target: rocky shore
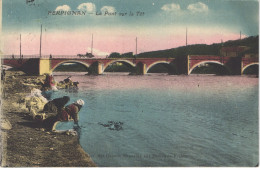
23	143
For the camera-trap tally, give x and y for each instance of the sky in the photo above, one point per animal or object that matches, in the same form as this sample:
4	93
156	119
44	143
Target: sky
115	24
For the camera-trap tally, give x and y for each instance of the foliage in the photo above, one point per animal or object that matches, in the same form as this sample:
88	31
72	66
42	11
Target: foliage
124	55
114	55
196	49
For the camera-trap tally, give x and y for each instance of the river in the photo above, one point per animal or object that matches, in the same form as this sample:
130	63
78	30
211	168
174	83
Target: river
167	120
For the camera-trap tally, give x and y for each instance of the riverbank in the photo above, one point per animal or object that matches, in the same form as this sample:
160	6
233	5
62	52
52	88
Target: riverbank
26	145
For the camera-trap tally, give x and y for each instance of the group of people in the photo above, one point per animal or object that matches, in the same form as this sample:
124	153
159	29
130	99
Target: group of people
68	84
60	112
56	108
49	83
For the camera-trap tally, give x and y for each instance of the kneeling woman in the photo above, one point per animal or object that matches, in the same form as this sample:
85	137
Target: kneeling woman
68	113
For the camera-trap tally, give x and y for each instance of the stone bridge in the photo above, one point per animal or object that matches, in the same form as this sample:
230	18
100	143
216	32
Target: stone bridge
177	65
234	65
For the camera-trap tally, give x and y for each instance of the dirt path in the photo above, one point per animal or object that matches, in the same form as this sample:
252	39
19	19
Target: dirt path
26	145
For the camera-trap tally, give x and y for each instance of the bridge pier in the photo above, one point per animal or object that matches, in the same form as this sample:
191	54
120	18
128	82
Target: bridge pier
100	68
140	69
181	65
144	70
234	65
96	68
44	66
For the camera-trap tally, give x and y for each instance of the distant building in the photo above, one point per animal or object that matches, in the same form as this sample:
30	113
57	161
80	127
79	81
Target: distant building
233	51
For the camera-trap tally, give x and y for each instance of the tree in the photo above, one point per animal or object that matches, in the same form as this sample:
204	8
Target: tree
114	55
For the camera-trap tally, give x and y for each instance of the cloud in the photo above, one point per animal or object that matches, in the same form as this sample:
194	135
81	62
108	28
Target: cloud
98	53
63	8
109	9
171	7
89	7
198	7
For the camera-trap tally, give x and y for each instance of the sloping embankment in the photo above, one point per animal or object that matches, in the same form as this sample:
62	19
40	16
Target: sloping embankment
25	145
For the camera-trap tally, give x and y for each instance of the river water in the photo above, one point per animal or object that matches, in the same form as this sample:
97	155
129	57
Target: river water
168	120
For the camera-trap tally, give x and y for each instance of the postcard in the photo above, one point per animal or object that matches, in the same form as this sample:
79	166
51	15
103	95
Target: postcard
128	83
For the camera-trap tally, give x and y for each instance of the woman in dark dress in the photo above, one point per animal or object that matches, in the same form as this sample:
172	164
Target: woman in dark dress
68	113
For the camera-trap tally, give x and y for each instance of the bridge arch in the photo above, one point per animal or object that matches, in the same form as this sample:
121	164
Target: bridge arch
70	61
206	62
247	66
118	60
157	62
